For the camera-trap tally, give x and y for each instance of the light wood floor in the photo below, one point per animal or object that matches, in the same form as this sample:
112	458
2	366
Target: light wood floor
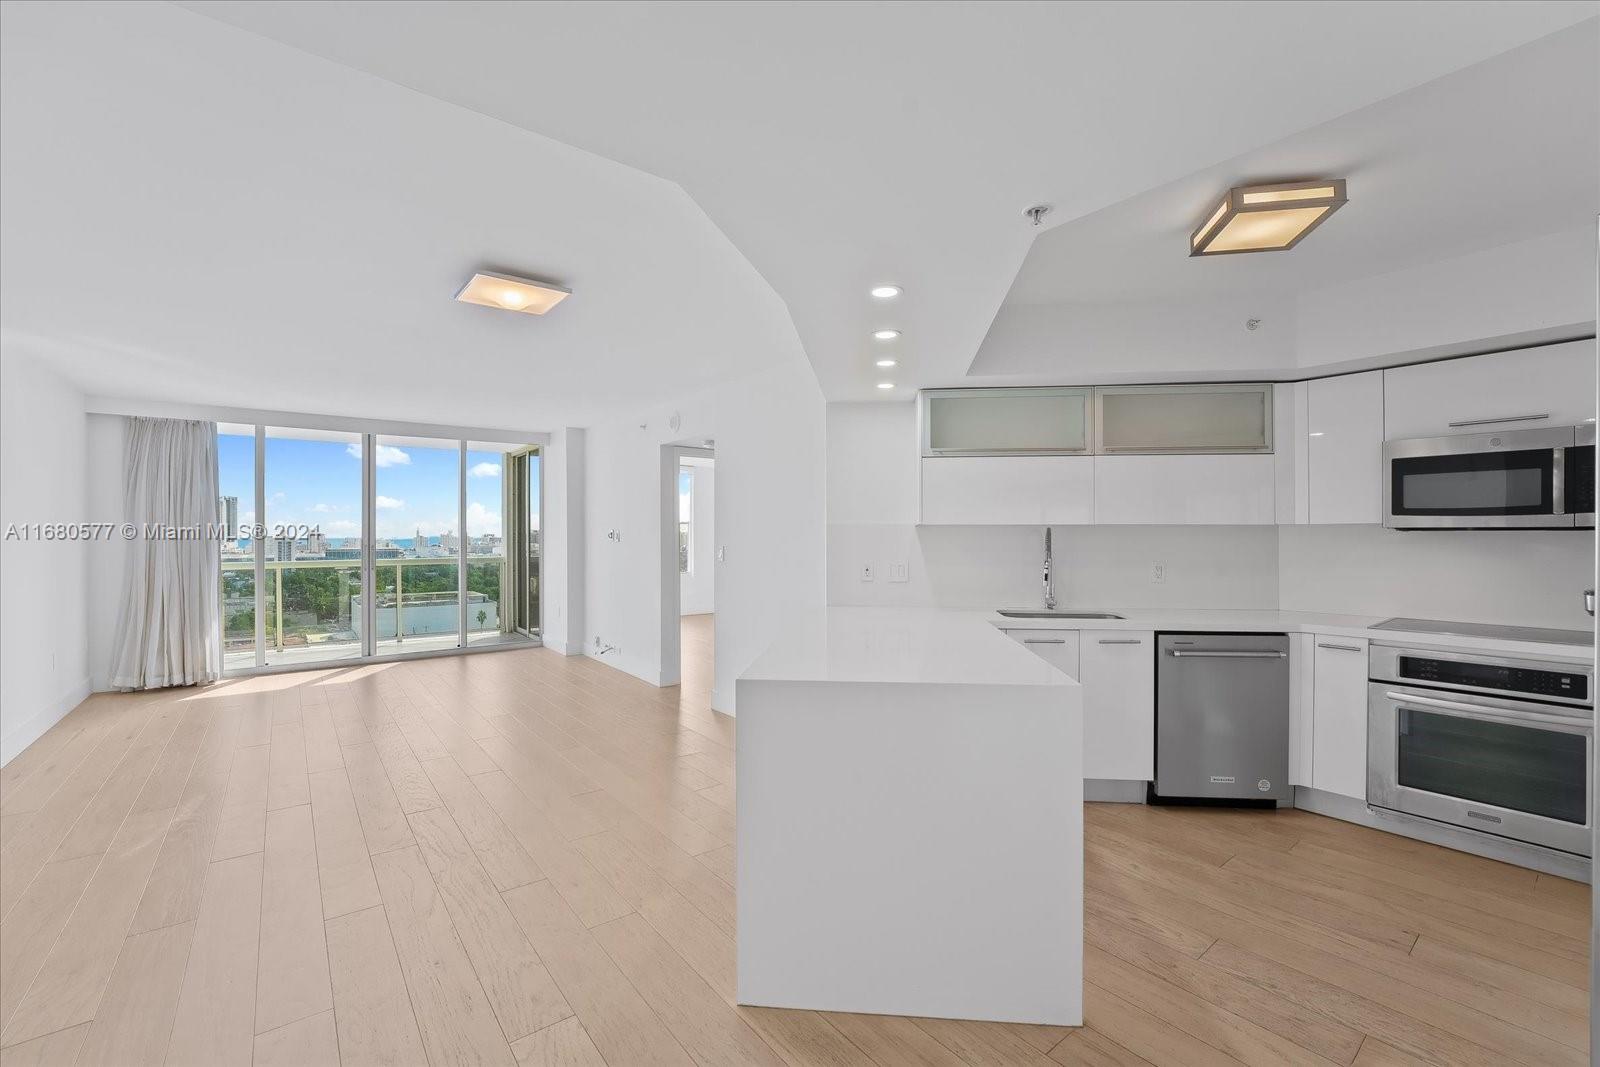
520	857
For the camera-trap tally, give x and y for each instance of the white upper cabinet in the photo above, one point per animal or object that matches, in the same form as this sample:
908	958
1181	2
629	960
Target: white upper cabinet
1007	491
1344	448
1549	386
1005	422
1184	490
1183	418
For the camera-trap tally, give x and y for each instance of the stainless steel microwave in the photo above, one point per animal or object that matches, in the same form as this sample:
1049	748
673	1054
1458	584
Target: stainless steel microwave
1511	479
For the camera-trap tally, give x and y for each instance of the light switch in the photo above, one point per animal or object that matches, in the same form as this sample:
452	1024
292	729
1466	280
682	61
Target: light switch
899	572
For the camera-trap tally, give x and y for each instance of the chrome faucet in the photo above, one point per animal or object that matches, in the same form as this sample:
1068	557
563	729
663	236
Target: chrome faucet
1049	580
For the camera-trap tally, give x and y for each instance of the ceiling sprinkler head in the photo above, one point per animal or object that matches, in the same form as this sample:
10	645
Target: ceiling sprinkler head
1252	324
1037	213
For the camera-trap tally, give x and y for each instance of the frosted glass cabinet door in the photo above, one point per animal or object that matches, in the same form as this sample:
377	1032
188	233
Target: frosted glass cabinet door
1005	422
1184	418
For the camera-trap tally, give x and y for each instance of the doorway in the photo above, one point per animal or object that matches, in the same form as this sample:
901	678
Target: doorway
696	559
689	557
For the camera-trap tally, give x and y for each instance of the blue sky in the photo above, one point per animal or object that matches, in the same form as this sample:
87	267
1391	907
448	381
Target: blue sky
318	483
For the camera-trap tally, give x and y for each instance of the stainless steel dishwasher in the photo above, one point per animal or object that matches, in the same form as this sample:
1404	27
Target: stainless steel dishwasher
1222	717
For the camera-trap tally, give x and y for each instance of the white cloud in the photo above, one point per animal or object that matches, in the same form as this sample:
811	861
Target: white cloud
340	528
387	456
277	498
389	502
326	509
480	520
484	470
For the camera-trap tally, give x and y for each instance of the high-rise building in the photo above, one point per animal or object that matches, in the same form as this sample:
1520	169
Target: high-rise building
228	515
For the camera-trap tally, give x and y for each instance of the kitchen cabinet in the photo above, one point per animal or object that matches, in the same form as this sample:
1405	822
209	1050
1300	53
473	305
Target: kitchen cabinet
1005	422
1302	656
1183	418
1344	448
1339	715
1058	647
1553	385
1117	672
1178	490
1007	490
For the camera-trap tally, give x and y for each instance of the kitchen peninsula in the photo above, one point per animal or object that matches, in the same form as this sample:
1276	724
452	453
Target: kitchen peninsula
910	821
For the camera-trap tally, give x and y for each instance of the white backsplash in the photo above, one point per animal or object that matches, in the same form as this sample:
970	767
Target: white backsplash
1514	577
1526	577
1097	567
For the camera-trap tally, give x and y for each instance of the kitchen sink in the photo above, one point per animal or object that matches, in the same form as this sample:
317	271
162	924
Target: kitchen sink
1040	613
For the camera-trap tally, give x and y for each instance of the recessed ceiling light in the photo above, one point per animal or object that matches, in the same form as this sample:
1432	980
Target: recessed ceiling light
511	294
1266	218
886	335
886	292
886	362
885	385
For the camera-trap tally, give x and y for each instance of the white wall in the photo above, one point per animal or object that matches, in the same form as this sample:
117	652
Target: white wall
1519	577
44	665
768	516
1467	303
564	545
1528	292
697	589
108	561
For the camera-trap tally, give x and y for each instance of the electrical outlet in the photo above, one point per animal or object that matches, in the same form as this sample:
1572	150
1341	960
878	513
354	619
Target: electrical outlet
899	572
1158	574
866	572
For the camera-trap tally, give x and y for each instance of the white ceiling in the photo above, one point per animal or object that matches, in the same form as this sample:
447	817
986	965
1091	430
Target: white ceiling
839	146
1496	153
189	212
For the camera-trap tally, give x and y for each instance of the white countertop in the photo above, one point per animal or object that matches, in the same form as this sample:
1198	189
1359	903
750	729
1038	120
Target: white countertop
1264	621
900	645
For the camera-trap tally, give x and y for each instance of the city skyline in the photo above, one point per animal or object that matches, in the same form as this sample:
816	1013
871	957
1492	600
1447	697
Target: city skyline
317	483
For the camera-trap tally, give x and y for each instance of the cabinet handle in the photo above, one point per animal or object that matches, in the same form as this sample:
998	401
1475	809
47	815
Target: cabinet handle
1121	641
1507	418
1044	640
1340	648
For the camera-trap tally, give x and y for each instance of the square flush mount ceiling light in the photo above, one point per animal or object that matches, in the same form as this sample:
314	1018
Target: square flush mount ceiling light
512	294
1266	218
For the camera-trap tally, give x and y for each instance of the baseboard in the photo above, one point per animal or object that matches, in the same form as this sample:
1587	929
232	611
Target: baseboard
1113	791
1349	809
644	672
26	733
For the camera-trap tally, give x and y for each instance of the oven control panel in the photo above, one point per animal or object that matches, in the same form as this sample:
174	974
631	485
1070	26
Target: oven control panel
1526	681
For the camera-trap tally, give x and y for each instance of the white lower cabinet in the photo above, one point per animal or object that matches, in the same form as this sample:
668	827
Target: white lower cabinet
1339	715
1058	647
1118	673
1179	490
1007	490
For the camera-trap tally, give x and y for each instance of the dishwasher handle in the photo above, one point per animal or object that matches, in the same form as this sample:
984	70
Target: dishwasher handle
1179	653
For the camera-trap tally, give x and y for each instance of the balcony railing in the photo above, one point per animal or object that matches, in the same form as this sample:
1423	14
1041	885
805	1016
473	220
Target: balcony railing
318	601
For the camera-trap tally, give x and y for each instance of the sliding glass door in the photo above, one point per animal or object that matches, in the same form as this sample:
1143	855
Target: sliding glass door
236	508
417	555
487	575
345	545
524	499
311	545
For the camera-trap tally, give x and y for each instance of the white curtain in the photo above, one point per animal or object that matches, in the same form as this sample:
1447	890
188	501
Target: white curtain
168	632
